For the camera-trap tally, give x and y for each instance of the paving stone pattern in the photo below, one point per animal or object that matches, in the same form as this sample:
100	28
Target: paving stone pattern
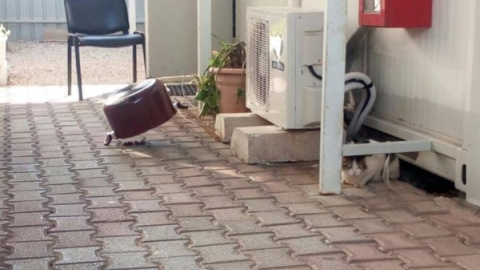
183	201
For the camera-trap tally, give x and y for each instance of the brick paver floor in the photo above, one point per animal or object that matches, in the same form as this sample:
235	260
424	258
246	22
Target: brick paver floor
183	201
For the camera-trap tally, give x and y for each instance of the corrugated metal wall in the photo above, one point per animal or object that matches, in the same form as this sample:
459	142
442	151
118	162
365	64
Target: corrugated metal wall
41	19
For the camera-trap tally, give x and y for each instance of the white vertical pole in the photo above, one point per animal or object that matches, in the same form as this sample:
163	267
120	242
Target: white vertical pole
295	3
331	130
204	33
132	15
473	111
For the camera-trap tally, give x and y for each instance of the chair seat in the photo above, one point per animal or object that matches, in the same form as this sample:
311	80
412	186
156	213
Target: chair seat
110	40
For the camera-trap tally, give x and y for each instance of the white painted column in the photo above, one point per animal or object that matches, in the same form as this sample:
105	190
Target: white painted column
331	132
132	15
295	3
204	33
473	111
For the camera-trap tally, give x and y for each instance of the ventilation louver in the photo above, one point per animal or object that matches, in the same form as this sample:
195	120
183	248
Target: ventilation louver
258	73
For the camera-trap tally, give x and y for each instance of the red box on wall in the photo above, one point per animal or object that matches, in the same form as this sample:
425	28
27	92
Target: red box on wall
395	13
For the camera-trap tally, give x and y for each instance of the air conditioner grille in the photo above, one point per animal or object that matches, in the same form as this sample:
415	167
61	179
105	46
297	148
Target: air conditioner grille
258	72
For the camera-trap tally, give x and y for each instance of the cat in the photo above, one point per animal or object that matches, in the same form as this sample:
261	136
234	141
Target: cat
358	170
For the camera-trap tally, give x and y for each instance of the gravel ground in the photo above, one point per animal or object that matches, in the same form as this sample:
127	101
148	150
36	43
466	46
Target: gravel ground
45	63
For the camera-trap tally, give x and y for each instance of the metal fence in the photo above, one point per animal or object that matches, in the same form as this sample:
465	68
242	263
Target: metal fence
42	20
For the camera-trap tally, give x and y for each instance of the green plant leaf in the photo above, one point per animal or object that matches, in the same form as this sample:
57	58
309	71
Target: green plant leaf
201	96
231	55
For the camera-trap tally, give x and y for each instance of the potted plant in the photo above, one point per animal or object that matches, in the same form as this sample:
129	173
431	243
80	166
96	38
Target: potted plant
3	54
221	87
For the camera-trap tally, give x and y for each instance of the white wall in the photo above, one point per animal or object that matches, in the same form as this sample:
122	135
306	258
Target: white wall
352	11
314	4
242	12
421	74
222	21
171	31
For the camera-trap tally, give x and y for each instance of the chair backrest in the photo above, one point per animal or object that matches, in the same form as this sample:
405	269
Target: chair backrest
96	17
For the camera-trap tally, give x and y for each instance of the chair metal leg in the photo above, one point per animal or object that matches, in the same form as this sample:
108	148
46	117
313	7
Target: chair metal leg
69	65
134	51
79	72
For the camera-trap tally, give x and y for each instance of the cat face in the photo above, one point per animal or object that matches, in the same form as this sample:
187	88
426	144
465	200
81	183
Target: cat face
353	166
353	169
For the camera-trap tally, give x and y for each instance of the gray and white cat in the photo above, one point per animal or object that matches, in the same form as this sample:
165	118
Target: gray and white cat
358	170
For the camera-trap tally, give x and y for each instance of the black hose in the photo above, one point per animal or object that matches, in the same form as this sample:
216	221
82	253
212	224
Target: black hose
366	87
314	73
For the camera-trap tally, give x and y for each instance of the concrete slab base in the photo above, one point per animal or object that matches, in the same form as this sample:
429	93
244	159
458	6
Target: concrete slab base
225	123
263	144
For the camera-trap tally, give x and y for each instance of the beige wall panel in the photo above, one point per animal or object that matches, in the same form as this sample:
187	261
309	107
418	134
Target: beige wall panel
171	28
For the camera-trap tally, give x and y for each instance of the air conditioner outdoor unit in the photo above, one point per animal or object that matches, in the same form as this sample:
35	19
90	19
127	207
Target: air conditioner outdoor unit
283	46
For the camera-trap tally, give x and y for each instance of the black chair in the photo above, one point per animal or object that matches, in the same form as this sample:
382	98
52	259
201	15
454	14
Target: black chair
99	23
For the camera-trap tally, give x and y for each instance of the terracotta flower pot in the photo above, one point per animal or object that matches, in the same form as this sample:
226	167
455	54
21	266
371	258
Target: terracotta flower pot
229	82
